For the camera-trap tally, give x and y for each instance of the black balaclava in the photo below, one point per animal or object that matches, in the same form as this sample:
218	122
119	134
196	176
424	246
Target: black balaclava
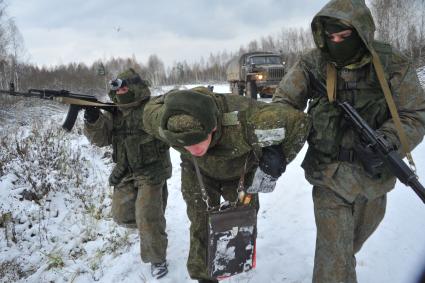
350	50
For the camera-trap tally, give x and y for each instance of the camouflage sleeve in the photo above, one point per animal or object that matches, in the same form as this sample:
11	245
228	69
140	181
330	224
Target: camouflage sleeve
152	116
293	89
409	98
280	124
100	132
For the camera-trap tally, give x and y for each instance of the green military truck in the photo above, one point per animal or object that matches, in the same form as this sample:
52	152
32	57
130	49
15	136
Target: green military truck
255	73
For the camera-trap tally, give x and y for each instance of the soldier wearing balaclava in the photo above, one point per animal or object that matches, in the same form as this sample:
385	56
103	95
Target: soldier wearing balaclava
349	181
142	166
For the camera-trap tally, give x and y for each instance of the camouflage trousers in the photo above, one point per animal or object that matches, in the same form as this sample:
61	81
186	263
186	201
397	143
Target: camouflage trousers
196	212
342	229
141	204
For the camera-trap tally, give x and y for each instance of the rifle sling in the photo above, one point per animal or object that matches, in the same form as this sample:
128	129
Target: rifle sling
393	109
331	82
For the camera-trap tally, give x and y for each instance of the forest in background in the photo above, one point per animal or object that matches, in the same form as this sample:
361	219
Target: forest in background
401	23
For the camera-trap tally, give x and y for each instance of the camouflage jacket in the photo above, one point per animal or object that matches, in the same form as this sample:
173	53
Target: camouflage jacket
357	84
244	127
136	153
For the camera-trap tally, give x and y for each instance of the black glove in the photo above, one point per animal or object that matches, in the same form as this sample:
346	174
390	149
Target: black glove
91	114
273	161
272	164
117	174
370	160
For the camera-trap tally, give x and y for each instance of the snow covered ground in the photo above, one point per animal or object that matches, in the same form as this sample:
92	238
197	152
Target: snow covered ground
68	235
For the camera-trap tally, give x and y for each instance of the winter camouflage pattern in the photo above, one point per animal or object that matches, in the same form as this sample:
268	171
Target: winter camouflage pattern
233	144
331	135
141	204
234	141
336	243
142	166
135	152
306	81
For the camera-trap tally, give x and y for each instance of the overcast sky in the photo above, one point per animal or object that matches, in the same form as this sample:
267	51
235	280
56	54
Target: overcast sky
63	31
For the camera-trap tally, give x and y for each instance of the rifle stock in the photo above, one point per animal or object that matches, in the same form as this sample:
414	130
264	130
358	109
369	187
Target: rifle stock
388	154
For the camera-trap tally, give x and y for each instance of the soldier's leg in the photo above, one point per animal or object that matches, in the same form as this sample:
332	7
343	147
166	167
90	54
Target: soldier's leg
367	216
151	221
123	204
334	256
164	195
196	212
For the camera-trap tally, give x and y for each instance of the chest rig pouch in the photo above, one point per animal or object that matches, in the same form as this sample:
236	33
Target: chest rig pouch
231	233
332	136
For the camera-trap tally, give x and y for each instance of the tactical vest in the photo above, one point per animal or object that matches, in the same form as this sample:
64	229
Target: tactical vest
135	151
332	137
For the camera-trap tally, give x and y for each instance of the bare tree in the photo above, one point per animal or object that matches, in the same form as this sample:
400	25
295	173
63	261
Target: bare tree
16	51
401	23
156	69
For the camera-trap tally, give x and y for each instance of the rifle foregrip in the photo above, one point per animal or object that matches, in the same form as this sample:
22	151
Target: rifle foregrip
71	117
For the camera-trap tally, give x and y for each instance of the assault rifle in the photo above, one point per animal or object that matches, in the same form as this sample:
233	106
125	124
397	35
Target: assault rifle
76	101
388	154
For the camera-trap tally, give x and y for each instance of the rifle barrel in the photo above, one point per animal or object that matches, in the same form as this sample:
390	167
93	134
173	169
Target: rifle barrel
418	188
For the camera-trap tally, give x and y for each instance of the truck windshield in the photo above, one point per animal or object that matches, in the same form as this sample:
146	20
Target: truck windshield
262	60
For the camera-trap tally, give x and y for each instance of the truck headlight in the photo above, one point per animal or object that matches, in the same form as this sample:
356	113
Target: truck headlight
260	77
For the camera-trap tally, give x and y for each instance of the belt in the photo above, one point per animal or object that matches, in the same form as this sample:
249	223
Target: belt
347	85
345	154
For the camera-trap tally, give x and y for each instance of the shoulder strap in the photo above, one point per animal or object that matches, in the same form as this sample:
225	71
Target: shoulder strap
205	196
331	82
393	109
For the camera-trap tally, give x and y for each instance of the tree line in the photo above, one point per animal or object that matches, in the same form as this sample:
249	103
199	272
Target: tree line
401	23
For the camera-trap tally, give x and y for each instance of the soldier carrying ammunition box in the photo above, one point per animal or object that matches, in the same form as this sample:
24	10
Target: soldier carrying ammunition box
228	138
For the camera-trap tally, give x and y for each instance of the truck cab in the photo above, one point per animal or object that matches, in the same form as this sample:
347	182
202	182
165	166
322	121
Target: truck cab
255	73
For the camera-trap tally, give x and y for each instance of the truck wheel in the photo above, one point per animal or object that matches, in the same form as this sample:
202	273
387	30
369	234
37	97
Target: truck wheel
251	89
240	89
234	88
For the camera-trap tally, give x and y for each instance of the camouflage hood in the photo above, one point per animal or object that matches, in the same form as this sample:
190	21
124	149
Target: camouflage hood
353	12
137	87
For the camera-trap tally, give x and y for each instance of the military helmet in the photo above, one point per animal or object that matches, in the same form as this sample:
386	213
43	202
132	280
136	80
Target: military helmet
189	117
138	88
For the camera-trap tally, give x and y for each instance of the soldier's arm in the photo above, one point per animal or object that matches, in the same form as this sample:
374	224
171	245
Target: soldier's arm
409	98
277	124
293	89
99	132
152	115
279	132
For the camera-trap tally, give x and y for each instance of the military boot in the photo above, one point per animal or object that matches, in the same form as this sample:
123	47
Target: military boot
159	270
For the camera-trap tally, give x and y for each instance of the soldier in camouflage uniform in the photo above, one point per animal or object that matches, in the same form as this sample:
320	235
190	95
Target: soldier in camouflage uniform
142	167
222	133
349	199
